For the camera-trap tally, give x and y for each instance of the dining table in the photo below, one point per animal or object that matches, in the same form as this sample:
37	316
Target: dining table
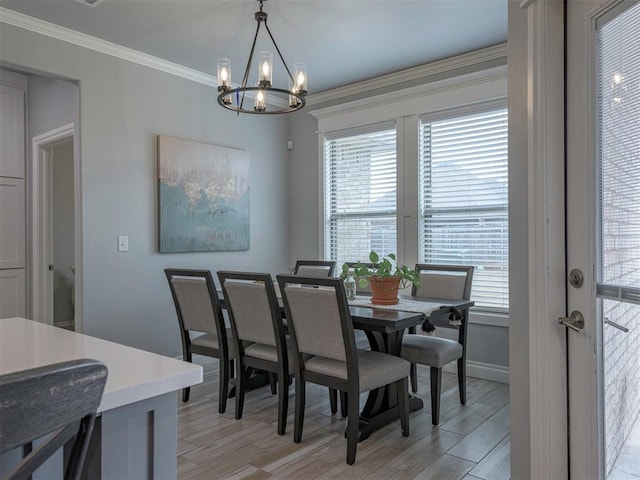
384	327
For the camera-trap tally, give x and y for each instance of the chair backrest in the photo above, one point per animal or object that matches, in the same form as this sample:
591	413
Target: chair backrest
367	287
44	400
444	281
196	300
253	308
318	318
315	268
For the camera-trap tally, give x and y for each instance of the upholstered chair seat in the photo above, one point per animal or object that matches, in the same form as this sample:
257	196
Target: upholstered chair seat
432	351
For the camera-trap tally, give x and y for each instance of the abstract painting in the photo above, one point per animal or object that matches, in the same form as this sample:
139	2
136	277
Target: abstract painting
203	195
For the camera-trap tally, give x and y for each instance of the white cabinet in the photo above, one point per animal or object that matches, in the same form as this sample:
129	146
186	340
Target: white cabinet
12	292
12	223
13	220
12	160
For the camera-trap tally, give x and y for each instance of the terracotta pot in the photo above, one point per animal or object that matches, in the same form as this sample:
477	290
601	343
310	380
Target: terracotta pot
384	290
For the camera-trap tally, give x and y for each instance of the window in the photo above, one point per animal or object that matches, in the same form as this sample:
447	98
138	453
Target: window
360	192
463	198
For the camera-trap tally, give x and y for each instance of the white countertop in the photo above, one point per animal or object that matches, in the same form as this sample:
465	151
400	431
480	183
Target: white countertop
134	374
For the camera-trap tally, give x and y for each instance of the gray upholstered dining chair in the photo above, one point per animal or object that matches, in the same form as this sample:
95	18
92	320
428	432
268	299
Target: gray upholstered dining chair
202	327
258	334
444	282
315	268
324	352
58	401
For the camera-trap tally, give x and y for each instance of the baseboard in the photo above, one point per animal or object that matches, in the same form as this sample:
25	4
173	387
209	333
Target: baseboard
485	371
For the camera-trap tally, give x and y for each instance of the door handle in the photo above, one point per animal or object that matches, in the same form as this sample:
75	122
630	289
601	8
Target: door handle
575	321
616	325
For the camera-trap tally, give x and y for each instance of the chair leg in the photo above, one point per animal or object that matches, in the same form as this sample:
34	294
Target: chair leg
223	387
299	415
462	380
413	373
343	404
333	400
272	383
241	386
353	413
436	382
79	449
186	356
283	401
402	387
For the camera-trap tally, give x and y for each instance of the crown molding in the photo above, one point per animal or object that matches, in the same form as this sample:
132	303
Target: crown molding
26	22
422	71
74	37
413	93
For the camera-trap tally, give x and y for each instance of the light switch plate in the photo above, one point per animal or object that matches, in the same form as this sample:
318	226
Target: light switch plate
123	243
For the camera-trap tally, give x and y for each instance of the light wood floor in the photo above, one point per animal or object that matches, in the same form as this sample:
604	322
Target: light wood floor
471	442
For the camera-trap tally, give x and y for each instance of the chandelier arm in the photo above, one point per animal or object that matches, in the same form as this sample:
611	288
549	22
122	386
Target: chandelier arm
248	67
280	54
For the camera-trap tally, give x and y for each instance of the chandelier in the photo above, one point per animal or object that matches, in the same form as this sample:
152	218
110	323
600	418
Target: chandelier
234	98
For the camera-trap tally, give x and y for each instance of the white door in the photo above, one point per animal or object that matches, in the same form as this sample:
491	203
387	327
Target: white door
603	229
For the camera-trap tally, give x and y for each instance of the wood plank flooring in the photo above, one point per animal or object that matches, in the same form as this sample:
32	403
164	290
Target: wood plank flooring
471	442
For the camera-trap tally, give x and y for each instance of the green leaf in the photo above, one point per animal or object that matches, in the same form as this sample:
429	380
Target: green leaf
373	257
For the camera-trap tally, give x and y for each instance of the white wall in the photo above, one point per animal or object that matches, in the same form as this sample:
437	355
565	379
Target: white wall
52	103
123	107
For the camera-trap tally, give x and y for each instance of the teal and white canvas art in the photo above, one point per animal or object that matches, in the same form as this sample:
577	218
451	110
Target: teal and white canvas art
203	195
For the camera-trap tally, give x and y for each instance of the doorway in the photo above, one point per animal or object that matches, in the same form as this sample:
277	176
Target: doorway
61	213
53	227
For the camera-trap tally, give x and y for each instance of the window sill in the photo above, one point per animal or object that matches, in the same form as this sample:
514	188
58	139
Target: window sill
491	318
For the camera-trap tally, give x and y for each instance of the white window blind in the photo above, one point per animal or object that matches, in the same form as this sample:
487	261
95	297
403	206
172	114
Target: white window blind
360	192
463	199
619	154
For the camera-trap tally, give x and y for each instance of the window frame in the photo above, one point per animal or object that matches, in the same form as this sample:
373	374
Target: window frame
405	106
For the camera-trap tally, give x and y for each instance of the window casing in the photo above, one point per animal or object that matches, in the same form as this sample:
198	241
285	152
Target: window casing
360	186
463	198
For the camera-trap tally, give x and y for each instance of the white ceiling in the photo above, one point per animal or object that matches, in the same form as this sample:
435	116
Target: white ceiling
341	41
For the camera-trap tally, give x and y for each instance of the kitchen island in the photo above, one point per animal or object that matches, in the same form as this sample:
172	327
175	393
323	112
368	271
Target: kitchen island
135	435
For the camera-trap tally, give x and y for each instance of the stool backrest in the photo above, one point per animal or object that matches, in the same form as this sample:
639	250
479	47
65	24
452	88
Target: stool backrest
59	399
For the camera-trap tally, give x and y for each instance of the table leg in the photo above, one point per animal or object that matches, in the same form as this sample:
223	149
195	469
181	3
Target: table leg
255	379
381	407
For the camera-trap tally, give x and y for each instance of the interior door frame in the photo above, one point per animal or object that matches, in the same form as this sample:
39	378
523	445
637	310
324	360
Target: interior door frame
537	280
41	292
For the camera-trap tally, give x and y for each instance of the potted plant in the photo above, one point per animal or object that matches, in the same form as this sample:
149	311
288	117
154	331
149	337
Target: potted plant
384	275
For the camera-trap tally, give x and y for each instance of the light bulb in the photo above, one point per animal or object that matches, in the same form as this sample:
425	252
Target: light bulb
300	79
224	75
265	70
